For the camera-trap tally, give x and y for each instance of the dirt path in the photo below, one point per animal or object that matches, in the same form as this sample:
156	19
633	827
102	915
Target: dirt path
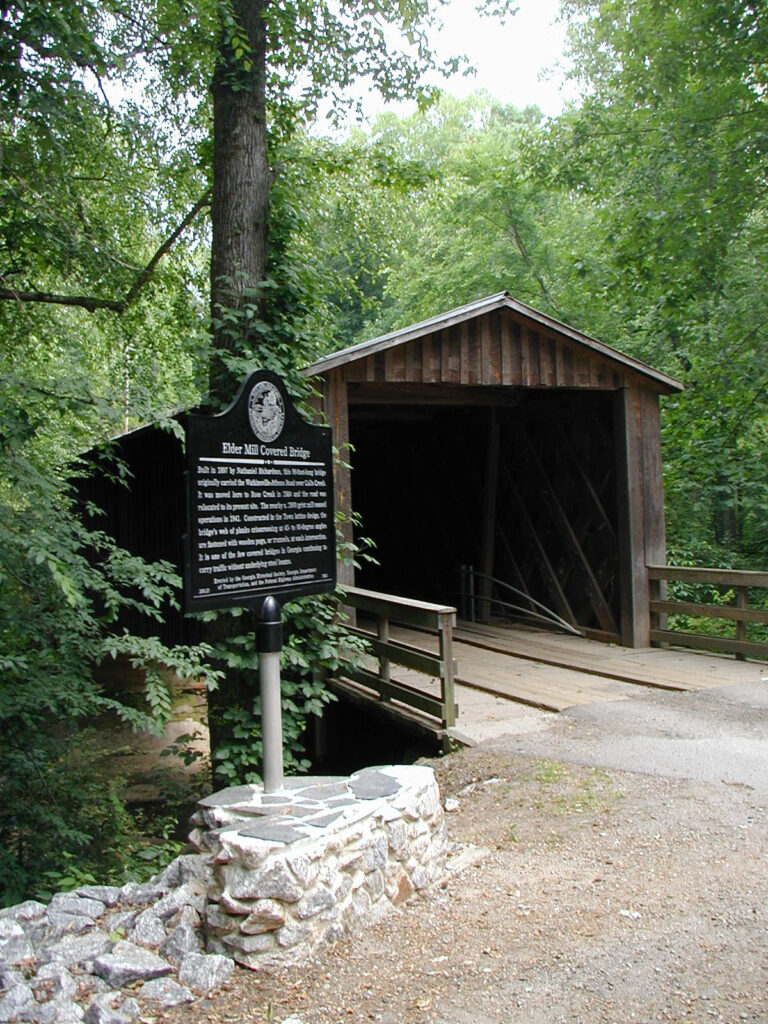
605	896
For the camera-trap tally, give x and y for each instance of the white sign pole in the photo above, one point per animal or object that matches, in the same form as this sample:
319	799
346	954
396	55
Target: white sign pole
269	641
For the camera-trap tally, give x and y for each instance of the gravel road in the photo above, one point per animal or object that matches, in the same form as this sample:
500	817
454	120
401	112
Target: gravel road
605	895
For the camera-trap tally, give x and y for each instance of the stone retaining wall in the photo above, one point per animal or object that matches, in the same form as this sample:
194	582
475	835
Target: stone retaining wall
278	875
296	869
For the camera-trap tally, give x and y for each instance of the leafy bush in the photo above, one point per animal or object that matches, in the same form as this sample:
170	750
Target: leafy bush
61	590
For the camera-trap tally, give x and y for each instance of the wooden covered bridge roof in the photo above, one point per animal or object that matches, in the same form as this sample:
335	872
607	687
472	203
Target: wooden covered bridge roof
480	343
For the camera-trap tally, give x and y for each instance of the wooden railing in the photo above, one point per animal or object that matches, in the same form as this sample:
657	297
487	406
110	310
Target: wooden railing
434	620
738	581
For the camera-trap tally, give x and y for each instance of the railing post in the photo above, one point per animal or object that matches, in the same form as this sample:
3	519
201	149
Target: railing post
742	601
737	581
447	622
654	590
657	591
437	621
385	666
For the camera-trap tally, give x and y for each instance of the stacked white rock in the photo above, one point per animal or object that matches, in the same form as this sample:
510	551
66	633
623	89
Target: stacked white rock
277	876
299	868
104	954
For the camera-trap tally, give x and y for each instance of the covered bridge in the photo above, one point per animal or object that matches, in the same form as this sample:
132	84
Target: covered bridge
495	437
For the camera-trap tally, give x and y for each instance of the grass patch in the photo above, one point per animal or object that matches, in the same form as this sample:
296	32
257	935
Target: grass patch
549	772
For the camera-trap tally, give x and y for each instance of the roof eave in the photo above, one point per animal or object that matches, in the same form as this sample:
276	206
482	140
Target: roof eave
486	305
384	341
672	383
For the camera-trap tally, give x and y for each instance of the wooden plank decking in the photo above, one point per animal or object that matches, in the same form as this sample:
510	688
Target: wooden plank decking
554	671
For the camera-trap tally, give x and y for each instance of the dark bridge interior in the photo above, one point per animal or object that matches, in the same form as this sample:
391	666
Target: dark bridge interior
525	491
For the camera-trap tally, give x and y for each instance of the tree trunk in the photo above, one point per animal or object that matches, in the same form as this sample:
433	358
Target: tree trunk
239	249
241	182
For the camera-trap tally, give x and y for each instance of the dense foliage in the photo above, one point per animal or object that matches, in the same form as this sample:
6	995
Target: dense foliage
671	143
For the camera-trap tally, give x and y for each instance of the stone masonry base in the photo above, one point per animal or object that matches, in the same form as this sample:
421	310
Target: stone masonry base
299	868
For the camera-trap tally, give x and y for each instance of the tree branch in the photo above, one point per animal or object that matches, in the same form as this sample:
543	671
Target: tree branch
92	302
146	273
89	302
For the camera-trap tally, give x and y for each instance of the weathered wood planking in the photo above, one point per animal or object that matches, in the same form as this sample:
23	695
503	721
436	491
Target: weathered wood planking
635	611
729	579
554	672
537	685
494	350
551	688
433	627
662	669
653	504
701	574
450	366
618	364
335	407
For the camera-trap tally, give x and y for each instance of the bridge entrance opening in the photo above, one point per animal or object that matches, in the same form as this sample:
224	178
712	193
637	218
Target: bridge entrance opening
522	487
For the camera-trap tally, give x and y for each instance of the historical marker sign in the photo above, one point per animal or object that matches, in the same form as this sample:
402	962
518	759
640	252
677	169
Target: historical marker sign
260	501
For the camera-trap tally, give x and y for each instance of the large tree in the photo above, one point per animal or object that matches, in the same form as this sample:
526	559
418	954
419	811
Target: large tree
276	65
434	209
670	138
155	110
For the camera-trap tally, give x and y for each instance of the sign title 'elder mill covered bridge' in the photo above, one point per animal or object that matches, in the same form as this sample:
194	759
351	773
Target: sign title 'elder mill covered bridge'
496	437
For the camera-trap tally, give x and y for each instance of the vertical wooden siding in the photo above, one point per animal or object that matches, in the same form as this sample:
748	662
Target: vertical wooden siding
504	349
337	415
494	349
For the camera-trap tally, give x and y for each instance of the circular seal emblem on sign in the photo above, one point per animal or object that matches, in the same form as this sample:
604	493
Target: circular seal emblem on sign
266	411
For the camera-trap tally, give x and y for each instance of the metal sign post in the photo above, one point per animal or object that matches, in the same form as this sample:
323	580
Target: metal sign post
269	644
261	525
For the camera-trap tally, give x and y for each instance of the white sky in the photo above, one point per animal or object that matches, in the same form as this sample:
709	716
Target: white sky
511	60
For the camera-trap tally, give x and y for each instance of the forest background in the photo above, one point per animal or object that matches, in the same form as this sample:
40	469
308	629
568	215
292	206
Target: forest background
638	216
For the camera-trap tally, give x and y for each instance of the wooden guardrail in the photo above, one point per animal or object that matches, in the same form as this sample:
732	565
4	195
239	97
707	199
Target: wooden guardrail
736	580
435	620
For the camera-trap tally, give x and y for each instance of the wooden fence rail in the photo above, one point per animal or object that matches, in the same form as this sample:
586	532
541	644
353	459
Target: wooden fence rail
432	619
736	580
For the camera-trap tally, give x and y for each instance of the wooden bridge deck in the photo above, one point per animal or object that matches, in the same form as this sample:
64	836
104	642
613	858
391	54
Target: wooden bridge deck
555	671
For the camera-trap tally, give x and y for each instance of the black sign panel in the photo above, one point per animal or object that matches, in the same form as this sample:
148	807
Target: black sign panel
260	501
